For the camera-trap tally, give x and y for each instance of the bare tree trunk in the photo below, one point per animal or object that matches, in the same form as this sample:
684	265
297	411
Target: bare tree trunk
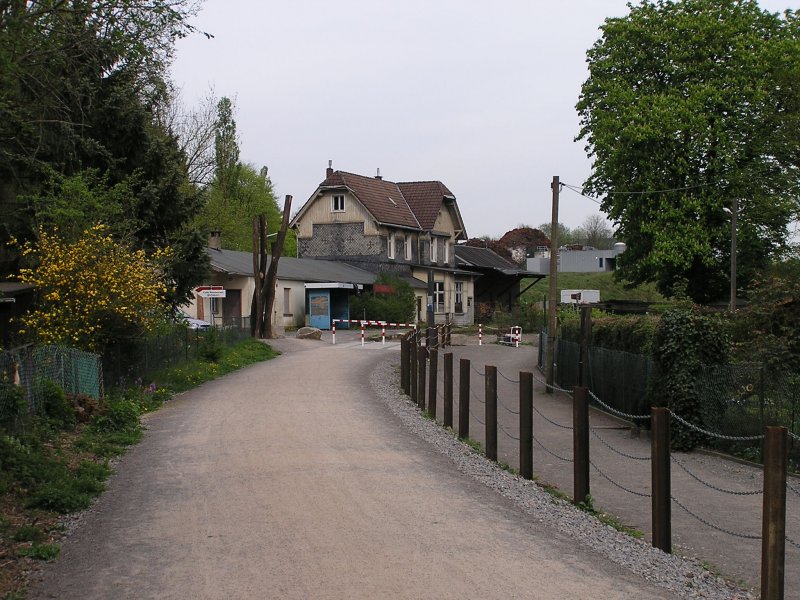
264	296
259	272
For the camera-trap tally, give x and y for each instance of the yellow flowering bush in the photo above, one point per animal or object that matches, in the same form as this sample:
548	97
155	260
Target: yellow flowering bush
94	292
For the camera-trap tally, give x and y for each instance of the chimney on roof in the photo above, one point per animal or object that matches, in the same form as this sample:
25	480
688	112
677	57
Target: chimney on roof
378	176
329	170
215	240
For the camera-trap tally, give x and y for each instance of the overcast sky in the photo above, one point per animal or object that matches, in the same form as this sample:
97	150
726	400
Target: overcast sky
479	95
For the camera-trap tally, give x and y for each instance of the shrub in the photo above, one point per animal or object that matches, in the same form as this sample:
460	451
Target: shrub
55	405
13	404
685	341
211	346
394	307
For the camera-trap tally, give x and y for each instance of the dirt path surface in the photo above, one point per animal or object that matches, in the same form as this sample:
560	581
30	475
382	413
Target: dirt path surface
289	480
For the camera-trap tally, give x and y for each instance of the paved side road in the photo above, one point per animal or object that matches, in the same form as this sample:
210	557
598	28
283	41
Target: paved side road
288	480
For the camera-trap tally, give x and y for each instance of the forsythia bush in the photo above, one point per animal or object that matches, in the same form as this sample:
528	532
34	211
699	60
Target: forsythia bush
94	292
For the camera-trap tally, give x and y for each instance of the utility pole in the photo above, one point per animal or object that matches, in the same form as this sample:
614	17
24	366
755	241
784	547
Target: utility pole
734	215
431	342
552	289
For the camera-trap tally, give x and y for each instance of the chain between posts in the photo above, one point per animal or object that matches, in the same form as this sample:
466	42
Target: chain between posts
745	536
541	414
476	370
734	438
553	387
711	485
499	372
551	453
619	485
476	418
793	543
792	488
620	452
613	410
504	407
503	429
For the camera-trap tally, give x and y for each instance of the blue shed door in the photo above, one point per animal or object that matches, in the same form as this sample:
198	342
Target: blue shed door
319	309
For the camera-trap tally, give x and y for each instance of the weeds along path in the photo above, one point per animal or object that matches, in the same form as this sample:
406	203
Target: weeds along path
288	479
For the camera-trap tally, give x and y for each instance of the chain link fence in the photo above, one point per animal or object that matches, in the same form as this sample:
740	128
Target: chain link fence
76	372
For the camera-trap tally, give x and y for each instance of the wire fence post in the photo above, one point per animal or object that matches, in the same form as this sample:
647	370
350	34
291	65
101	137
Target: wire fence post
491	412
463	398
432	382
448	390
422	355
526	425
661	480
773	523
580	444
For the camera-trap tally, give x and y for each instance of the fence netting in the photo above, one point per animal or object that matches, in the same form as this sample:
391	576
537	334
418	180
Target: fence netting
75	371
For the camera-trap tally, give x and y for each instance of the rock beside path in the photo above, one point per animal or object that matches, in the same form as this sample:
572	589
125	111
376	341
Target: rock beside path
309	333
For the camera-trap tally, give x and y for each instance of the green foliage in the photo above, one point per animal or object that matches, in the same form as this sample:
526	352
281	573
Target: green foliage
709	126
55	404
627	333
121	415
395	307
211	346
610	289
29	533
685	341
13	404
40	551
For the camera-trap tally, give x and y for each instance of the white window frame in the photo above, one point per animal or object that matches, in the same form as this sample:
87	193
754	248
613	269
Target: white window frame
407	247
434	251
438	297
337	203
459	296
446	253
390	246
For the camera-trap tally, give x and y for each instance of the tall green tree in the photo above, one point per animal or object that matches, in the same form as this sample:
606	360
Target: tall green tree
226	147
688	105
80	85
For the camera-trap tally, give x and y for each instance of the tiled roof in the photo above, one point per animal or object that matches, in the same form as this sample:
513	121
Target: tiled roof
308	270
383	199
425	199
484	258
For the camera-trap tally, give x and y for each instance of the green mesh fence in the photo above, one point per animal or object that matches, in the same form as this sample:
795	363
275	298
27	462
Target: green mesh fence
620	379
76	372
741	399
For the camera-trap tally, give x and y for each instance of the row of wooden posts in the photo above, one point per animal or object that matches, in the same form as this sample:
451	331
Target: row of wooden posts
416	359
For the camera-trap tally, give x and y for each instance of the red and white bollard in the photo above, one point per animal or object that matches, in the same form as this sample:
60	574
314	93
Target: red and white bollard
333	332
480	335
383	334
362	334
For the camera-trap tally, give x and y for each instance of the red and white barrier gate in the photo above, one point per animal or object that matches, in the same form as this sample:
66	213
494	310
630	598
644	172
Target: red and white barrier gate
366	323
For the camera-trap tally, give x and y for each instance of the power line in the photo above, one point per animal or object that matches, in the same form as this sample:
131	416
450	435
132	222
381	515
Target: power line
579	190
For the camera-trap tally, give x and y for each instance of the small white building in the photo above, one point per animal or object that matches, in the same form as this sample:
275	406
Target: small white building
583	260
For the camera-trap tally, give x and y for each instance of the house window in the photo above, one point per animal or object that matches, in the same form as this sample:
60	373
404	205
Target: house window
390	245
287	302
433	250
438	297
337	203
446	253
459	307
408	247
600	262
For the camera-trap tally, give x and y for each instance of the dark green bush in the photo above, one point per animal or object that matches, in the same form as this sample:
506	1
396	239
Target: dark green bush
119	415
56	406
395	307
13	404
686	340
211	346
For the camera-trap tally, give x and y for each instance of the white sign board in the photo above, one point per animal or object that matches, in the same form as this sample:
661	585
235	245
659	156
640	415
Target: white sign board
211	293
580	296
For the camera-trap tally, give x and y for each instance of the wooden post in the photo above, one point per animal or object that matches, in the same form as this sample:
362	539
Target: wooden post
421	360
448	389
463	398
491	412
412	361
449	333
433	382
580	444
661	480
586	336
773	522
526	425
552	289
403	364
